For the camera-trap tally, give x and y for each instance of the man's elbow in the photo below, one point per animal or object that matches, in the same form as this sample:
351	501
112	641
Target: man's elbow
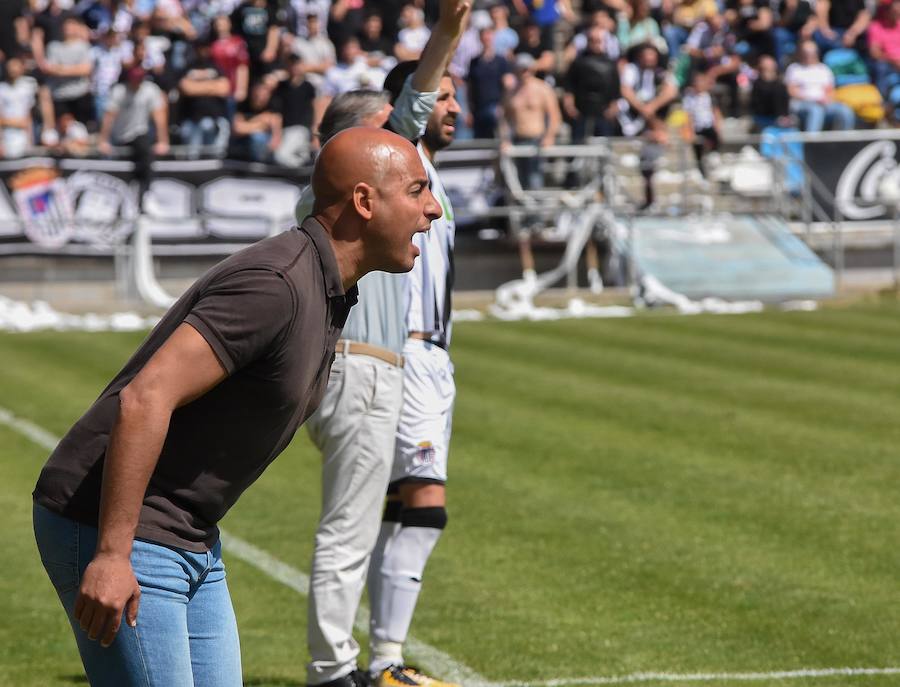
139	399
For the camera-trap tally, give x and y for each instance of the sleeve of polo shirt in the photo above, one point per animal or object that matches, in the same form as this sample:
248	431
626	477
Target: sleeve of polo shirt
243	315
411	111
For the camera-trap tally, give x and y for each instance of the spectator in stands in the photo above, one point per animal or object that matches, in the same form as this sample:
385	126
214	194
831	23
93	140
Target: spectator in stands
228	53
841	23
811	87
152	58
72	139
47	28
170	19
107	56
711	47
796	18
602	19
884	48
592	89
14	28
132	106
345	19
257	126
256	21
531	43
304	9
704	117
505	37
752	22
351	72
203	104
373	42
413	36
637	27
647	92
532	117
17	98
686	15
296	97
485	86
769	100
68	69
546	14
316	51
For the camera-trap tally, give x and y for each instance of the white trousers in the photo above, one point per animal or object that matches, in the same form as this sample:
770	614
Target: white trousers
354	428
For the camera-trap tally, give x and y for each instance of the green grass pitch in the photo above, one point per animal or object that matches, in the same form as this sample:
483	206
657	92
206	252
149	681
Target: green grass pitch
683	494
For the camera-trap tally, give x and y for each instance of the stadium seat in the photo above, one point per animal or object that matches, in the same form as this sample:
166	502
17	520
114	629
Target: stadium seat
847	65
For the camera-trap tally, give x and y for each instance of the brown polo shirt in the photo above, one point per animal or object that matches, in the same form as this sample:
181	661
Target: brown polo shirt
272	314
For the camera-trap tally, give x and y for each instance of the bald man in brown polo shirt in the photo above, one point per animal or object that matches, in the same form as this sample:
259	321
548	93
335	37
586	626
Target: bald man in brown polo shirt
126	507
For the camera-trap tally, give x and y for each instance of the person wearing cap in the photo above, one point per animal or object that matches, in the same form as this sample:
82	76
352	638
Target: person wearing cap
126	507
531	116
132	106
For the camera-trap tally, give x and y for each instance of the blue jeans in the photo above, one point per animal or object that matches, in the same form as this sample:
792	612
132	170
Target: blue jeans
785	44
885	77
675	37
813	116
825	44
207	132
186	634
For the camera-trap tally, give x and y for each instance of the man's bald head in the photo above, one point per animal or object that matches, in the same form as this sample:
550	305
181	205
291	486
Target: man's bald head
359	155
372	194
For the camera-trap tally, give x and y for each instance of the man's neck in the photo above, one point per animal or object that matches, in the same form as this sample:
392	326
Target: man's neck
347	255
428	152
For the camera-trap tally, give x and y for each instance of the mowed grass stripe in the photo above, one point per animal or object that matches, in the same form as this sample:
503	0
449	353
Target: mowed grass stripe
511	395
665	391
700	466
698	349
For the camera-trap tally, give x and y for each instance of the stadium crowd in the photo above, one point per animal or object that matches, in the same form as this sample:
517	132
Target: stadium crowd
250	78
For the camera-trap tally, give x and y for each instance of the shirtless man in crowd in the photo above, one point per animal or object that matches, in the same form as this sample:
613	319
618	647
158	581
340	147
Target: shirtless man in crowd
531	116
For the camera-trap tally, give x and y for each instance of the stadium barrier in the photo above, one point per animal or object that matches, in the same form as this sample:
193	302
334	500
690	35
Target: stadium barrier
81	206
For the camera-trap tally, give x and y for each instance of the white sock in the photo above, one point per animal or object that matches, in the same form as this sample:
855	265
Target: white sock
399	579
375	581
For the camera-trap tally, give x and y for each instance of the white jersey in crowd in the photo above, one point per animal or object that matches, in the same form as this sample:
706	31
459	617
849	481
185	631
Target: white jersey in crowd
429	284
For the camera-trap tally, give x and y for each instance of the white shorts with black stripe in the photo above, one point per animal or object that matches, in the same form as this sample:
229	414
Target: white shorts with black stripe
426	417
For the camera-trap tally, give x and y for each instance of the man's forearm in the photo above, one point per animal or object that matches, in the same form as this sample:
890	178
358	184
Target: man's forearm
438	51
134	447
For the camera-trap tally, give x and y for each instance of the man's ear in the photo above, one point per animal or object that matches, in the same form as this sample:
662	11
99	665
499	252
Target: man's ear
364	200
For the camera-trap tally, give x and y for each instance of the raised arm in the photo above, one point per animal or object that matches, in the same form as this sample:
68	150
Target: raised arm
441	45
416	100
183	369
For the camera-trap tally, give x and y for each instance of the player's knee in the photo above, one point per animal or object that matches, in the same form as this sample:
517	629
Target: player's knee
434	517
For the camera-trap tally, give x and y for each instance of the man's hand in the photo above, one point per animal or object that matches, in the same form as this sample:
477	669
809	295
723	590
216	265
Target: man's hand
849	39
104	148
108	588
161	148
452	15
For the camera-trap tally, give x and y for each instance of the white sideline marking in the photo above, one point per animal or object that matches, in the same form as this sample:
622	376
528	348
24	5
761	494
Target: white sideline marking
702	677
38	435
435	659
